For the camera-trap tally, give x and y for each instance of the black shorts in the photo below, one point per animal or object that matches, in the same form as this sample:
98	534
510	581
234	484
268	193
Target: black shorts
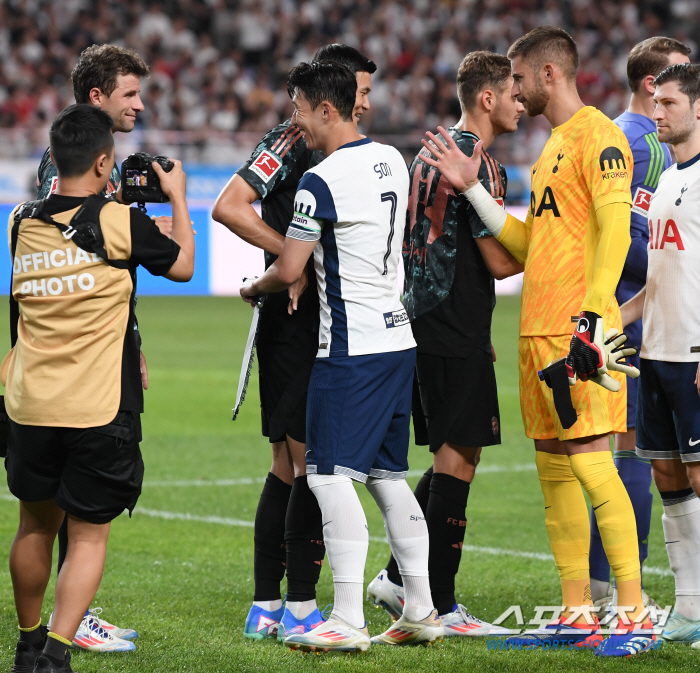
285	369
92	473
458	401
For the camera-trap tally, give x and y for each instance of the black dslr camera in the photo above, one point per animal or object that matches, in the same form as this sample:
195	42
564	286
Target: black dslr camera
140	184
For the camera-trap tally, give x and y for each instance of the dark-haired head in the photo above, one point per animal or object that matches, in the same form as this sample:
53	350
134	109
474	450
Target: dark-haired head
324	82
651	56
677	112
686	75
348	56
78	136
547	44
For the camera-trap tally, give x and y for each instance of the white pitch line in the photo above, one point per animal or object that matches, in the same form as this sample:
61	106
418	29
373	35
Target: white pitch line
225	521
486	469
492	551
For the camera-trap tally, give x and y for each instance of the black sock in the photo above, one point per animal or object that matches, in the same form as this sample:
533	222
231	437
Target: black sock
269	538
446	519
422	493
304	539
35	638
56	651
62	544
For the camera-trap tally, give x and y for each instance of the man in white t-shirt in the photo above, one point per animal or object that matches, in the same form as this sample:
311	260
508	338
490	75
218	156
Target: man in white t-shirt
668	408
348	212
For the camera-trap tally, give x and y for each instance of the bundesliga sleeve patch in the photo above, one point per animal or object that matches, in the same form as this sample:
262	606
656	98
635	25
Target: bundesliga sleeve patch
266	165
641	201
54	185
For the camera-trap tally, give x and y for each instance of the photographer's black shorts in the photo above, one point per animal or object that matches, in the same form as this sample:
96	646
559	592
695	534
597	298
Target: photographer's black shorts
92	473
285	370
458	401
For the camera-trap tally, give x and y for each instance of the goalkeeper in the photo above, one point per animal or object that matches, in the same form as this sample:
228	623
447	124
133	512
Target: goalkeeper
573	244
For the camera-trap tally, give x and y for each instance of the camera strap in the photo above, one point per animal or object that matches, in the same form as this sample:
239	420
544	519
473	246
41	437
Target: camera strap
84	228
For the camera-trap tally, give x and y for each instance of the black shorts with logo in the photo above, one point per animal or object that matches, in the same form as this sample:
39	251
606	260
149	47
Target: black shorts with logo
284	366
92	473
457	401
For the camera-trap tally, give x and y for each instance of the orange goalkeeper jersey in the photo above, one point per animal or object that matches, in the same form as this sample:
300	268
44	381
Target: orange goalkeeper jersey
586	164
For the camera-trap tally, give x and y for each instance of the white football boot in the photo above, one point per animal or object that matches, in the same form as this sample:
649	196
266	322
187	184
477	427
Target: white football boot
124	634
461	623
408	630
92	637
334	635
385	594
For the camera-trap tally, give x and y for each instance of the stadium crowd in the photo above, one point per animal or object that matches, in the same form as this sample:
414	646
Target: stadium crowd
219	66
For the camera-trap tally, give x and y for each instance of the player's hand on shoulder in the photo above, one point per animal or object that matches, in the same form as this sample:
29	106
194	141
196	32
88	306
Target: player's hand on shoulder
296	290
174	182
461	171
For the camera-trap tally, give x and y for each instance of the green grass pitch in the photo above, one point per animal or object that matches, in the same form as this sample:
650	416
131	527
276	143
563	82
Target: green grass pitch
181	570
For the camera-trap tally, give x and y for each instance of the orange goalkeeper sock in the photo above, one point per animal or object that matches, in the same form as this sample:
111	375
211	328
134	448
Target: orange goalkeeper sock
568	528
618	528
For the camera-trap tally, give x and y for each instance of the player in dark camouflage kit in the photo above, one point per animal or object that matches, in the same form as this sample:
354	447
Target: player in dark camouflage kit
288	526
47	176
451	260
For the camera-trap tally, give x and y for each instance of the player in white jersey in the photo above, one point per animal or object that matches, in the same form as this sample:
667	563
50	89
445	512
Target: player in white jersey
349	212
668	407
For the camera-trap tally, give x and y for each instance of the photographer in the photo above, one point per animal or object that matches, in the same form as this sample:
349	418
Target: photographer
107	77
72	381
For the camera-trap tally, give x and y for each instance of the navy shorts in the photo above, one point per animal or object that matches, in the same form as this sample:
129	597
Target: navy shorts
668	411
358	414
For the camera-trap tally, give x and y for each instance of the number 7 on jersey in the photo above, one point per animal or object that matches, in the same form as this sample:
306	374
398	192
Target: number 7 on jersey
391	197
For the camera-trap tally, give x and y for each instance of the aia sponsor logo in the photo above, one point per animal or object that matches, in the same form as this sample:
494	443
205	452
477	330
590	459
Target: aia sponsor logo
662	235
266	166
641	201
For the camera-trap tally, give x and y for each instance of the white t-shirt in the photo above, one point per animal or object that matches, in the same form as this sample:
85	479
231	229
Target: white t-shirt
354	203
672	305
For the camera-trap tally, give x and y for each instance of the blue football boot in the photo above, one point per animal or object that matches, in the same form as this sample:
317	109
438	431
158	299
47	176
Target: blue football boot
261	623
290	625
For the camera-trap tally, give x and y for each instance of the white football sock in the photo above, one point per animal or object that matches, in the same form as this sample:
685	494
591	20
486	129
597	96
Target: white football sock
270	606
347	540
407	532
301	609
681	522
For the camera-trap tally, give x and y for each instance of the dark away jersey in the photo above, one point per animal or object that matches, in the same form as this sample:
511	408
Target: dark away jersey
449	292
274	170
47	176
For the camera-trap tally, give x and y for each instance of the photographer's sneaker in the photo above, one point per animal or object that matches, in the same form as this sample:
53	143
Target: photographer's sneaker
46	665
385	594
335	635
124	634
261	623
26	654
408	630
92	637
461	623
680	629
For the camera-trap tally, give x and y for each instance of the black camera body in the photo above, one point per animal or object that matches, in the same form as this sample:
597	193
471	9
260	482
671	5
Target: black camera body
140	184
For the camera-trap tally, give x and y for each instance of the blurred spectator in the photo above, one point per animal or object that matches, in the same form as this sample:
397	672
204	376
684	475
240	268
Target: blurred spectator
220	66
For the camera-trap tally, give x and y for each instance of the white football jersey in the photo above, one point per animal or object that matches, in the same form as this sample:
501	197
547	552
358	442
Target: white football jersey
354	204
672	305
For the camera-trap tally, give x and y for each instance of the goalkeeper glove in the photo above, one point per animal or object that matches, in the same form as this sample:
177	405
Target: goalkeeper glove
591	354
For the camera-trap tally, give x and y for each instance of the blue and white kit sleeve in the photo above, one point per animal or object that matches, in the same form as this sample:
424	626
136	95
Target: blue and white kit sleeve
313	207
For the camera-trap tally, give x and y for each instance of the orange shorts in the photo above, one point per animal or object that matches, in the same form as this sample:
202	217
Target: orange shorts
599	411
